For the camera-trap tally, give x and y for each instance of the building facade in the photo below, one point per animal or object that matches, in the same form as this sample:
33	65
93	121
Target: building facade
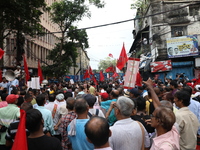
164	26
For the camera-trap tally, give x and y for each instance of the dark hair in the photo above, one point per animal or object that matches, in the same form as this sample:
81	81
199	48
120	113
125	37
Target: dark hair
187	89
174	83
20	100
81	87
141	103
40	99
23	92
99	134
3	96
114	94
52	97
70	103
166	117
80	106
5	90
26	106
91	99
33	120
109	90
27	96
67	94
183	96
14	91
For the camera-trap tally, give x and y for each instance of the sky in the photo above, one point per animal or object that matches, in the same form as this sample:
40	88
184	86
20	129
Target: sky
109	39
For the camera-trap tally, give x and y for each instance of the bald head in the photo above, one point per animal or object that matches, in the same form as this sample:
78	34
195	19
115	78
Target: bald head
114	94
97	131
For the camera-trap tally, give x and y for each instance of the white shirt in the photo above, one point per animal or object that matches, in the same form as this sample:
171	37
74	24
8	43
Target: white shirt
127	135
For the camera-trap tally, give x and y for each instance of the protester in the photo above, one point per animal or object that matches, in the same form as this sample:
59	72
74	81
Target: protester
127	134
76	128
98	133
65	121
187	121
37	140
91	99
8	114
46	114
167	136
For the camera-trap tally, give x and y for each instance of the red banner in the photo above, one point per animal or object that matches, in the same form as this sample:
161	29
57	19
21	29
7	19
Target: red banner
161	66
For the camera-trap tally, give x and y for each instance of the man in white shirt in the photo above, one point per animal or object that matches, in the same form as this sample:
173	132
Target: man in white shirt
127	134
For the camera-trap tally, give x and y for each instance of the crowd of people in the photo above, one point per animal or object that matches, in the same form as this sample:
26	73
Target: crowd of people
159	115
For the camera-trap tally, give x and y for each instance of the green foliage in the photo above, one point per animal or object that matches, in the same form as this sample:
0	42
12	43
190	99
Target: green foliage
65	13
105	63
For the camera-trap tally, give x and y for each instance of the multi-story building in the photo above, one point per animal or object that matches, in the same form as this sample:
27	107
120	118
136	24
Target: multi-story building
35	48
82	63
167	31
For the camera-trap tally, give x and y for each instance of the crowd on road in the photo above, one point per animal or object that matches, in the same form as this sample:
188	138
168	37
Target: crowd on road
158	115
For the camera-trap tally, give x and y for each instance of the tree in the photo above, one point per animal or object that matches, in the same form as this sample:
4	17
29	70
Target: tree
20	17
65	13
107	62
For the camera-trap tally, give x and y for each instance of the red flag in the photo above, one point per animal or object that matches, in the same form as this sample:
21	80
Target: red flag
90	71
94	80
110	69
20	138
101	76
138	81
40	72
115	75
26	69
1	53
122	58
110	55
86	74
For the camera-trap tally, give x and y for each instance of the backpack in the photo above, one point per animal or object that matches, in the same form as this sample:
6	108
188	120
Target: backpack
96	114
151	107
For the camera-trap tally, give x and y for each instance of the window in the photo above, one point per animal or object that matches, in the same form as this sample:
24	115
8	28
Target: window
178	31
194	10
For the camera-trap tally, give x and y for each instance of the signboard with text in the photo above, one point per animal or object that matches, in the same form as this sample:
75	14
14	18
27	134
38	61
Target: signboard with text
161	66
182	46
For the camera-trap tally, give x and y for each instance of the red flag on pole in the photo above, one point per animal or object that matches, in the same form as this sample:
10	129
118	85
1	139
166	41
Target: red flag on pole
40	72
138	81
101	76
94	80
90	71
26	69
122	58
110	69
20	138
115	74
1	53
86	74
110	55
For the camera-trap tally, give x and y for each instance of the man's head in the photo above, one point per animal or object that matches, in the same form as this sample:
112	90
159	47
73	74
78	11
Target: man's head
182	98
124	107
163	117
12	99
173	84
81	106
114	94
40	99
34	120
26	106
97	131
28	97
60	97
52	97
133	93
91	99
3	96
70	103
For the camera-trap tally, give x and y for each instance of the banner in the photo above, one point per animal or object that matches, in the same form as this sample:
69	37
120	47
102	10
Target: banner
182	46
131	73
161	66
